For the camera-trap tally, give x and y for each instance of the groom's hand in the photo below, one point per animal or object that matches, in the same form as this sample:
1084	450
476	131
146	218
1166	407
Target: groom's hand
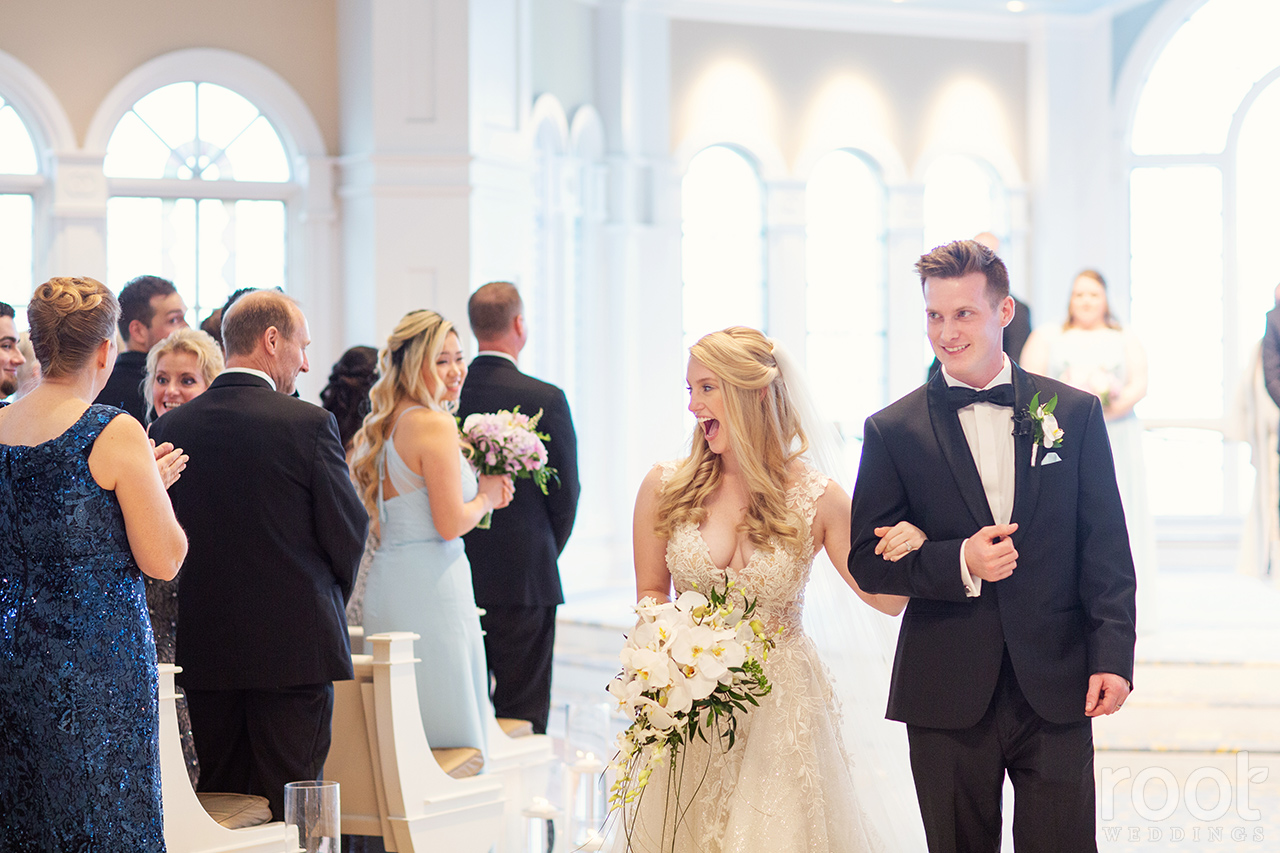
1107	692
989	554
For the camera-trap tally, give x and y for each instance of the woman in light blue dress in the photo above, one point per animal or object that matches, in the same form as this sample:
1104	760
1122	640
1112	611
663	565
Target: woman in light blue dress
1092	352
410	469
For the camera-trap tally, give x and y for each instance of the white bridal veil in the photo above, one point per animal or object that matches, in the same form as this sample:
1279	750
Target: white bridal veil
856	643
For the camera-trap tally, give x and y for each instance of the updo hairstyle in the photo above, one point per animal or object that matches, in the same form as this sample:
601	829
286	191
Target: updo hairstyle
70	318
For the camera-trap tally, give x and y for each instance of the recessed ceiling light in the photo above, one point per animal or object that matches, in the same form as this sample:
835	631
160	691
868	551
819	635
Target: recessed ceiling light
1016	6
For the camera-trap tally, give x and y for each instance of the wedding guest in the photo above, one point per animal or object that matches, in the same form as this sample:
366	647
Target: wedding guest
86	517
513	563
212	326
179	369
347	394
1092	352
150	308
11	357
422	495
347	397
276	535
29	370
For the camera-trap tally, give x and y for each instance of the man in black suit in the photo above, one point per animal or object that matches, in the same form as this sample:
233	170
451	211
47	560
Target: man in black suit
150	308
1020	627
276	533
11	357
513	564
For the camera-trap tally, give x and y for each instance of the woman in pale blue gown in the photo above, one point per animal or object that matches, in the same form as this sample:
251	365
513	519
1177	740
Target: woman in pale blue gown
1091	352
409	467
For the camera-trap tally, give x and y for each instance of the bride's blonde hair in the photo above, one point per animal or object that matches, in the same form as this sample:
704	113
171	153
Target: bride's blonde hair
417	339
765	434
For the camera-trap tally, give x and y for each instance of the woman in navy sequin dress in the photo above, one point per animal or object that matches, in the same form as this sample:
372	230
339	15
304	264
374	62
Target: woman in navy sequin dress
82	511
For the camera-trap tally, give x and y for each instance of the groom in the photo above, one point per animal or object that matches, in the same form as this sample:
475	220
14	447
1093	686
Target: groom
1020	627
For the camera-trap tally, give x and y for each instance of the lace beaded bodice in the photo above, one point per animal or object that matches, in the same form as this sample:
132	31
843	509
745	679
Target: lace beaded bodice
774	578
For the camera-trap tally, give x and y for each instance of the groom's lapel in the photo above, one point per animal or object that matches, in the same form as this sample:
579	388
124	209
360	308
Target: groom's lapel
1026	478
955	449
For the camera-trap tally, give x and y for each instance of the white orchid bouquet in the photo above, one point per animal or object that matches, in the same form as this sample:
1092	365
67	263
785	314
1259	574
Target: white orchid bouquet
689	667
507	442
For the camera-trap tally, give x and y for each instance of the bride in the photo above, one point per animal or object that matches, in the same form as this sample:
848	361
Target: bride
744	506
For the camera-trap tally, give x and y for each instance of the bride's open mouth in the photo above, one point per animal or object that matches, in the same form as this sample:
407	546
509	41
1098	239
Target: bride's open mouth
710	427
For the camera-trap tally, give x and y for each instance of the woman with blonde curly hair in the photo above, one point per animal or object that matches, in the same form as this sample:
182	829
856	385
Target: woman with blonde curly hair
86	516
179	369
745	506
421	494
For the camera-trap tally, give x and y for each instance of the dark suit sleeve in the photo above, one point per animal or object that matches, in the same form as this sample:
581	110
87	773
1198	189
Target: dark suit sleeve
880	500
340	518
1107	583
1271	356
562	454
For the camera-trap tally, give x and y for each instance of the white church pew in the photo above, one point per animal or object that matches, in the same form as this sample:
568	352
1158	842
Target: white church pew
391	783
187	826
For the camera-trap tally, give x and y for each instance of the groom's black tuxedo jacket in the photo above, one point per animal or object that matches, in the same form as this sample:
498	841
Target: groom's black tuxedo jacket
1067	611
276	534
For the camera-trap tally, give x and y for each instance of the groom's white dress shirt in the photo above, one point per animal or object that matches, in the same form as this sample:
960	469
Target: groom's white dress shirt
988	429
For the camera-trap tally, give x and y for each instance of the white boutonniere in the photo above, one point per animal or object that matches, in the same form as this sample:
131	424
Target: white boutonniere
1039	422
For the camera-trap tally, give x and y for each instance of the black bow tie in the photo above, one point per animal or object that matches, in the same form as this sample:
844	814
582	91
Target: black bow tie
958	396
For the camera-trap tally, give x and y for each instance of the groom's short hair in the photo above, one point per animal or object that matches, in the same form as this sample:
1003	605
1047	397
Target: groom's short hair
961	258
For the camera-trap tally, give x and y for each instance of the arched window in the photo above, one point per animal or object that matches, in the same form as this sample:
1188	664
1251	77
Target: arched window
962	197
198	179
722	253
18	168
846	305
1202	186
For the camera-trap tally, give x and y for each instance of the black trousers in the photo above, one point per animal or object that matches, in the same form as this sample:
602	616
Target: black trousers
518	643
255	741
959	775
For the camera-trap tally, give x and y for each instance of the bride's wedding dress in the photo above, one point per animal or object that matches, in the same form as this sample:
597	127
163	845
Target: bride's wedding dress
787	784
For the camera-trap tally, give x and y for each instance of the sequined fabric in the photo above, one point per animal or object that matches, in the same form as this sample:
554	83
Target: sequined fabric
785	786
79	755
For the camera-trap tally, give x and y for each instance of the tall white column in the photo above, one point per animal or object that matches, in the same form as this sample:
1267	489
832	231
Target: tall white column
639	264
404	175
1071	156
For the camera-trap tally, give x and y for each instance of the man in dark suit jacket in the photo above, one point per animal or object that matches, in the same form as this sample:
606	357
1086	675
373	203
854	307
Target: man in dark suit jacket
1271	352
1020	627
276	534
150	308
513	564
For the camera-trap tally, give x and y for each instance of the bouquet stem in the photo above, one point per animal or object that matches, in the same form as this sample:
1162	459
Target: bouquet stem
485	521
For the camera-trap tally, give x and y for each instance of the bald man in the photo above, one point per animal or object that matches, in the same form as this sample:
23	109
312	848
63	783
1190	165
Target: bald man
276	533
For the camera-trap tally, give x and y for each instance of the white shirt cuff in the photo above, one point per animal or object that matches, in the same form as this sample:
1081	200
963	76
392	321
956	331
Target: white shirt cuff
972	585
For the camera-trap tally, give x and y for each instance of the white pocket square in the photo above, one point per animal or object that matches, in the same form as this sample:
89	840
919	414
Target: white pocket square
1050	458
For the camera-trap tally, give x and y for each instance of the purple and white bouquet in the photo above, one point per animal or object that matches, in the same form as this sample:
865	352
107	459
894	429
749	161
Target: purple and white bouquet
508	443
